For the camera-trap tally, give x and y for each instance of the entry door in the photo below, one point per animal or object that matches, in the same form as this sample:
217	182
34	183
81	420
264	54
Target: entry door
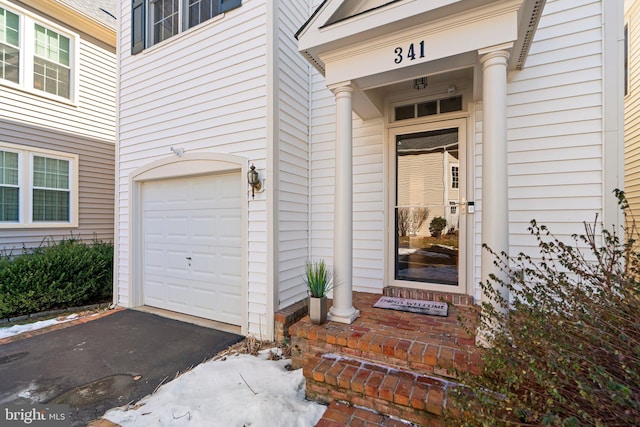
427	206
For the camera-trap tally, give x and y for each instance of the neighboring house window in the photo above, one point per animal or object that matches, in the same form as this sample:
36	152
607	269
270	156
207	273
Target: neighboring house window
455	177
50	50
9	186
50	194
154	21
453	207
9	46
51	70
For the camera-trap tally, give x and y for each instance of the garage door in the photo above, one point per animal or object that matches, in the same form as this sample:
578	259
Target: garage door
192	246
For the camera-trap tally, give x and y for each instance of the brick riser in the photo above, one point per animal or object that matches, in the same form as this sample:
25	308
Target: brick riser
395	363
431	358
406	395
425	344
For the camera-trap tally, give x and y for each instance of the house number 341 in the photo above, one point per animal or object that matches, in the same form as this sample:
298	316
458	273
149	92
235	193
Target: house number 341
414	51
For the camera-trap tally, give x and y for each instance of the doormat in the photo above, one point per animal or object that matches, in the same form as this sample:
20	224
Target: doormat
432	308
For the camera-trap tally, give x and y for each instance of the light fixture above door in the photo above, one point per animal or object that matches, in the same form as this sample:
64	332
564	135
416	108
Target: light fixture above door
420	83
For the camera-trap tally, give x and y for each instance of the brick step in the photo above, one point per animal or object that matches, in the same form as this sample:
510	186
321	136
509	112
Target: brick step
407	395
341	414
423	344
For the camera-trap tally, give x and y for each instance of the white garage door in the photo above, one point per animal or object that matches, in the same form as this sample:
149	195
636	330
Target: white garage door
192	246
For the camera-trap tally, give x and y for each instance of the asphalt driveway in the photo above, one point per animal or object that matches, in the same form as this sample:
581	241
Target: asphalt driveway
104	363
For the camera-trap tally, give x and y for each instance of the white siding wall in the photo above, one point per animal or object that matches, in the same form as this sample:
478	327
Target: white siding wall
293	158
368	188
94	116
86	129
322	129
368	205
554	129
205	91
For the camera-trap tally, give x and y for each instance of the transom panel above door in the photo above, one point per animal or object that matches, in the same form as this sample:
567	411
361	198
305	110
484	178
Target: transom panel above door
427	203
192	229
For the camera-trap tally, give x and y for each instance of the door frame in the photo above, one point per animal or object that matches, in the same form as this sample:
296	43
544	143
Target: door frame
465	230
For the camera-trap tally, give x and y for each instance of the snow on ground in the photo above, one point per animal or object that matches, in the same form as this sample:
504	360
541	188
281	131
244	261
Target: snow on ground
240	391
19	329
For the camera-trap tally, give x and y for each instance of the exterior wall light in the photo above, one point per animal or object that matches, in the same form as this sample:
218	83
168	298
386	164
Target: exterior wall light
420	83
254	181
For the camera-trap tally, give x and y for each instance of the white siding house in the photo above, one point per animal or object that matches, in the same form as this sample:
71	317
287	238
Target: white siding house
488	113
632	104
57	121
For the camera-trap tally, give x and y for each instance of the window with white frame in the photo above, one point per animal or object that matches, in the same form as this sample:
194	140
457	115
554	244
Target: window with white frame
37	187
154	21
51	194
164	18
35	55
51	68
9	45
198	11
9	186
455	176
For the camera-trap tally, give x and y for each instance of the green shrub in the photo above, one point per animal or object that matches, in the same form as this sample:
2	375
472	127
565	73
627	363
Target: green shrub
437	225
67	274
568	351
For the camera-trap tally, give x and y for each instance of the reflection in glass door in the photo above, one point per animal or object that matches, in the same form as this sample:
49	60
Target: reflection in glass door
427	206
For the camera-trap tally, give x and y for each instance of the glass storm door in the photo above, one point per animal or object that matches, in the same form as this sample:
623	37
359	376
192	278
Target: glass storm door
427	206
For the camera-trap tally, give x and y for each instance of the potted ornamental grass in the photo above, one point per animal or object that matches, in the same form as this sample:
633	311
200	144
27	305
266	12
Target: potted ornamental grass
318	280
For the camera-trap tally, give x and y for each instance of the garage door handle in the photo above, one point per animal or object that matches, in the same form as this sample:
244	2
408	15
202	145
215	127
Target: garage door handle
188	257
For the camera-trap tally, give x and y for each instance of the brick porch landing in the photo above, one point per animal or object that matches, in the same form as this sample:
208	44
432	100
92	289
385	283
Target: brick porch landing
396	363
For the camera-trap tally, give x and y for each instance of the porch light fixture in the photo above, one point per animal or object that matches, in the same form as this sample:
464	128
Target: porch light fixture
254	181
420	83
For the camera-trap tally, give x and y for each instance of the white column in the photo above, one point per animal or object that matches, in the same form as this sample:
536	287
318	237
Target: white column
342	309
495	210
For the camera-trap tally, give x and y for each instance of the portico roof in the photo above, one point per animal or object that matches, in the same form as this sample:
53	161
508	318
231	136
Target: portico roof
375	42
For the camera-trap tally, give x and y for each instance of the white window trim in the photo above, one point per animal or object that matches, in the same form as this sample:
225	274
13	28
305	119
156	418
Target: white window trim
25	182
27	47
20	181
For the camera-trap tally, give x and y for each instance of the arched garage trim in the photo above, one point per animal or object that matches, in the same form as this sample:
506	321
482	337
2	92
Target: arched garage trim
187	165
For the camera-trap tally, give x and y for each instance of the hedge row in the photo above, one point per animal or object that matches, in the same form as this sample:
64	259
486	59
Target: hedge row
58	275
